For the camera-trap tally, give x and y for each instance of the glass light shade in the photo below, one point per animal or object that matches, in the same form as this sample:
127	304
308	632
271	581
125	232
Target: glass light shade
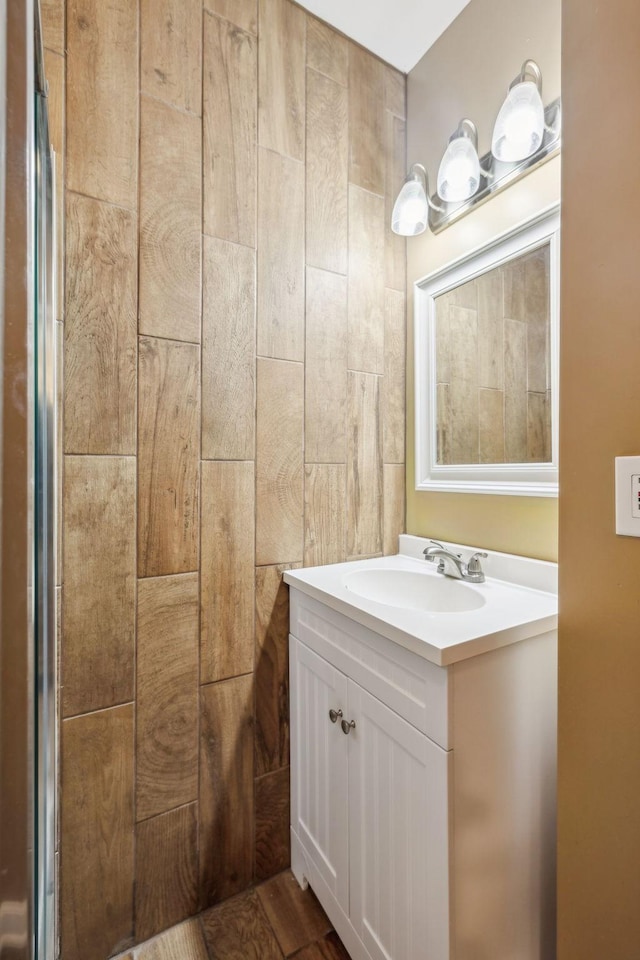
410	211
459	172
519	129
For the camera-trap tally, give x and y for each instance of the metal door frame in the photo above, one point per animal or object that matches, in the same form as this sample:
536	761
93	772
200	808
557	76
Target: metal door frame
24	794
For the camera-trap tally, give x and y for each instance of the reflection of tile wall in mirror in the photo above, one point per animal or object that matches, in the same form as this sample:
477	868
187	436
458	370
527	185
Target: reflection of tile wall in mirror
493	366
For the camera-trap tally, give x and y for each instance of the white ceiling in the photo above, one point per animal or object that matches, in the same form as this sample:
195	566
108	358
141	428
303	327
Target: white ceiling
399	31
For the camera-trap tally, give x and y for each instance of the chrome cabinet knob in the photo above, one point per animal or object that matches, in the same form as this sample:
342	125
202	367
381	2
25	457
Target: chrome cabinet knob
348	727
334	715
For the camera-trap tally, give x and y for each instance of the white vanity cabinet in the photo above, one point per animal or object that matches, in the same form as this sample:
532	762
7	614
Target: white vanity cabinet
426	830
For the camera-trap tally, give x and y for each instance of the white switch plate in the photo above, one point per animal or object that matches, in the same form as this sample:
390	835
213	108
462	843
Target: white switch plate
628	496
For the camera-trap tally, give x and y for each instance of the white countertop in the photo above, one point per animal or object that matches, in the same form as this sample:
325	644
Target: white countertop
513	611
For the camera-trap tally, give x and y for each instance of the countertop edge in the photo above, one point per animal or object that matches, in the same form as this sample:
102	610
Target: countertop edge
441	657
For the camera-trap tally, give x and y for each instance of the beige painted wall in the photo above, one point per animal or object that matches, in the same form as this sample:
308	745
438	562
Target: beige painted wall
467	73
599	649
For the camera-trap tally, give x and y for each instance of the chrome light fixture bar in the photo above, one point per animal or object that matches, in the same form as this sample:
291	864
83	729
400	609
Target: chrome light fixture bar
496	174
525	135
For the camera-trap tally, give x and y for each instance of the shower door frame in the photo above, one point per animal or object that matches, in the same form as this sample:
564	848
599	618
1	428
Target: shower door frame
16	501
45	531
27	509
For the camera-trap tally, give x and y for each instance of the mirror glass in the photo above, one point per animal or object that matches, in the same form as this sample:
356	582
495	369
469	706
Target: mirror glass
493	365
486	337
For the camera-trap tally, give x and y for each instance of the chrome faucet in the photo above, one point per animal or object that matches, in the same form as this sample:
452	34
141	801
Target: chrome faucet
452	565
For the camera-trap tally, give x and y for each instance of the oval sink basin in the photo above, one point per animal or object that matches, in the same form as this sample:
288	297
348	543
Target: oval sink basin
414	591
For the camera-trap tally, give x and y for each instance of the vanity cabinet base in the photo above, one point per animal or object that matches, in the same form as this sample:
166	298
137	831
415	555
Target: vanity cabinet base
307	874
419	849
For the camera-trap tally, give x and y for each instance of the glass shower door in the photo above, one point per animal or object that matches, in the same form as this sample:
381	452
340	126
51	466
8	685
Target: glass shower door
45	533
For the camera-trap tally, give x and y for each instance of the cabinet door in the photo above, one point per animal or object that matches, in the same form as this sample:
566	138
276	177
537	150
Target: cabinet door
319	782
399	836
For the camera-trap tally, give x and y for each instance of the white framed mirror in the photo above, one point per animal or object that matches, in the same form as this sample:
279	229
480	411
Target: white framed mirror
486	366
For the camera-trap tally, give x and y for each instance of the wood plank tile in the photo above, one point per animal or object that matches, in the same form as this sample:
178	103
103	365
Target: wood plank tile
393	384
537	307
272	669
327	51
239	930
491	426
281	80
166	870
393	484
226	794
364	477
538	428
230	112
536	276
326	368
55	73
52	13
537	357
102	116
168	457
325	513
443	340
184	941
329	948
295	914
272	839
463	385
327	173
280	257
171	52
99	576
279	462
395	91
167	694
229	344
395	247
366	281
490	330
466	295
97	834
514	290
515	388
244	13
366	120
170	222
443	424
227	565
100	328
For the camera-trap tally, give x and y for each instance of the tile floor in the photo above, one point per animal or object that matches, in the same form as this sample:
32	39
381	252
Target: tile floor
273	921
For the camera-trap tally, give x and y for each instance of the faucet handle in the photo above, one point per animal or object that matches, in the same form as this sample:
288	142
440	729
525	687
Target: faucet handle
474	565
433	543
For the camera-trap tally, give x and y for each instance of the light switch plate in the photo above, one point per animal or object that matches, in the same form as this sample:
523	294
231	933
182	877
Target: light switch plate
628	496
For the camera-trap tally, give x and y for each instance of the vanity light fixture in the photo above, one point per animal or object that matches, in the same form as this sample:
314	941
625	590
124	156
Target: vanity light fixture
411	209
459	171
525	134
519	128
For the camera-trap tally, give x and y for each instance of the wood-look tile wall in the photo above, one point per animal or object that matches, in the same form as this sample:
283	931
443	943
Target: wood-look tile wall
232	314
493	366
